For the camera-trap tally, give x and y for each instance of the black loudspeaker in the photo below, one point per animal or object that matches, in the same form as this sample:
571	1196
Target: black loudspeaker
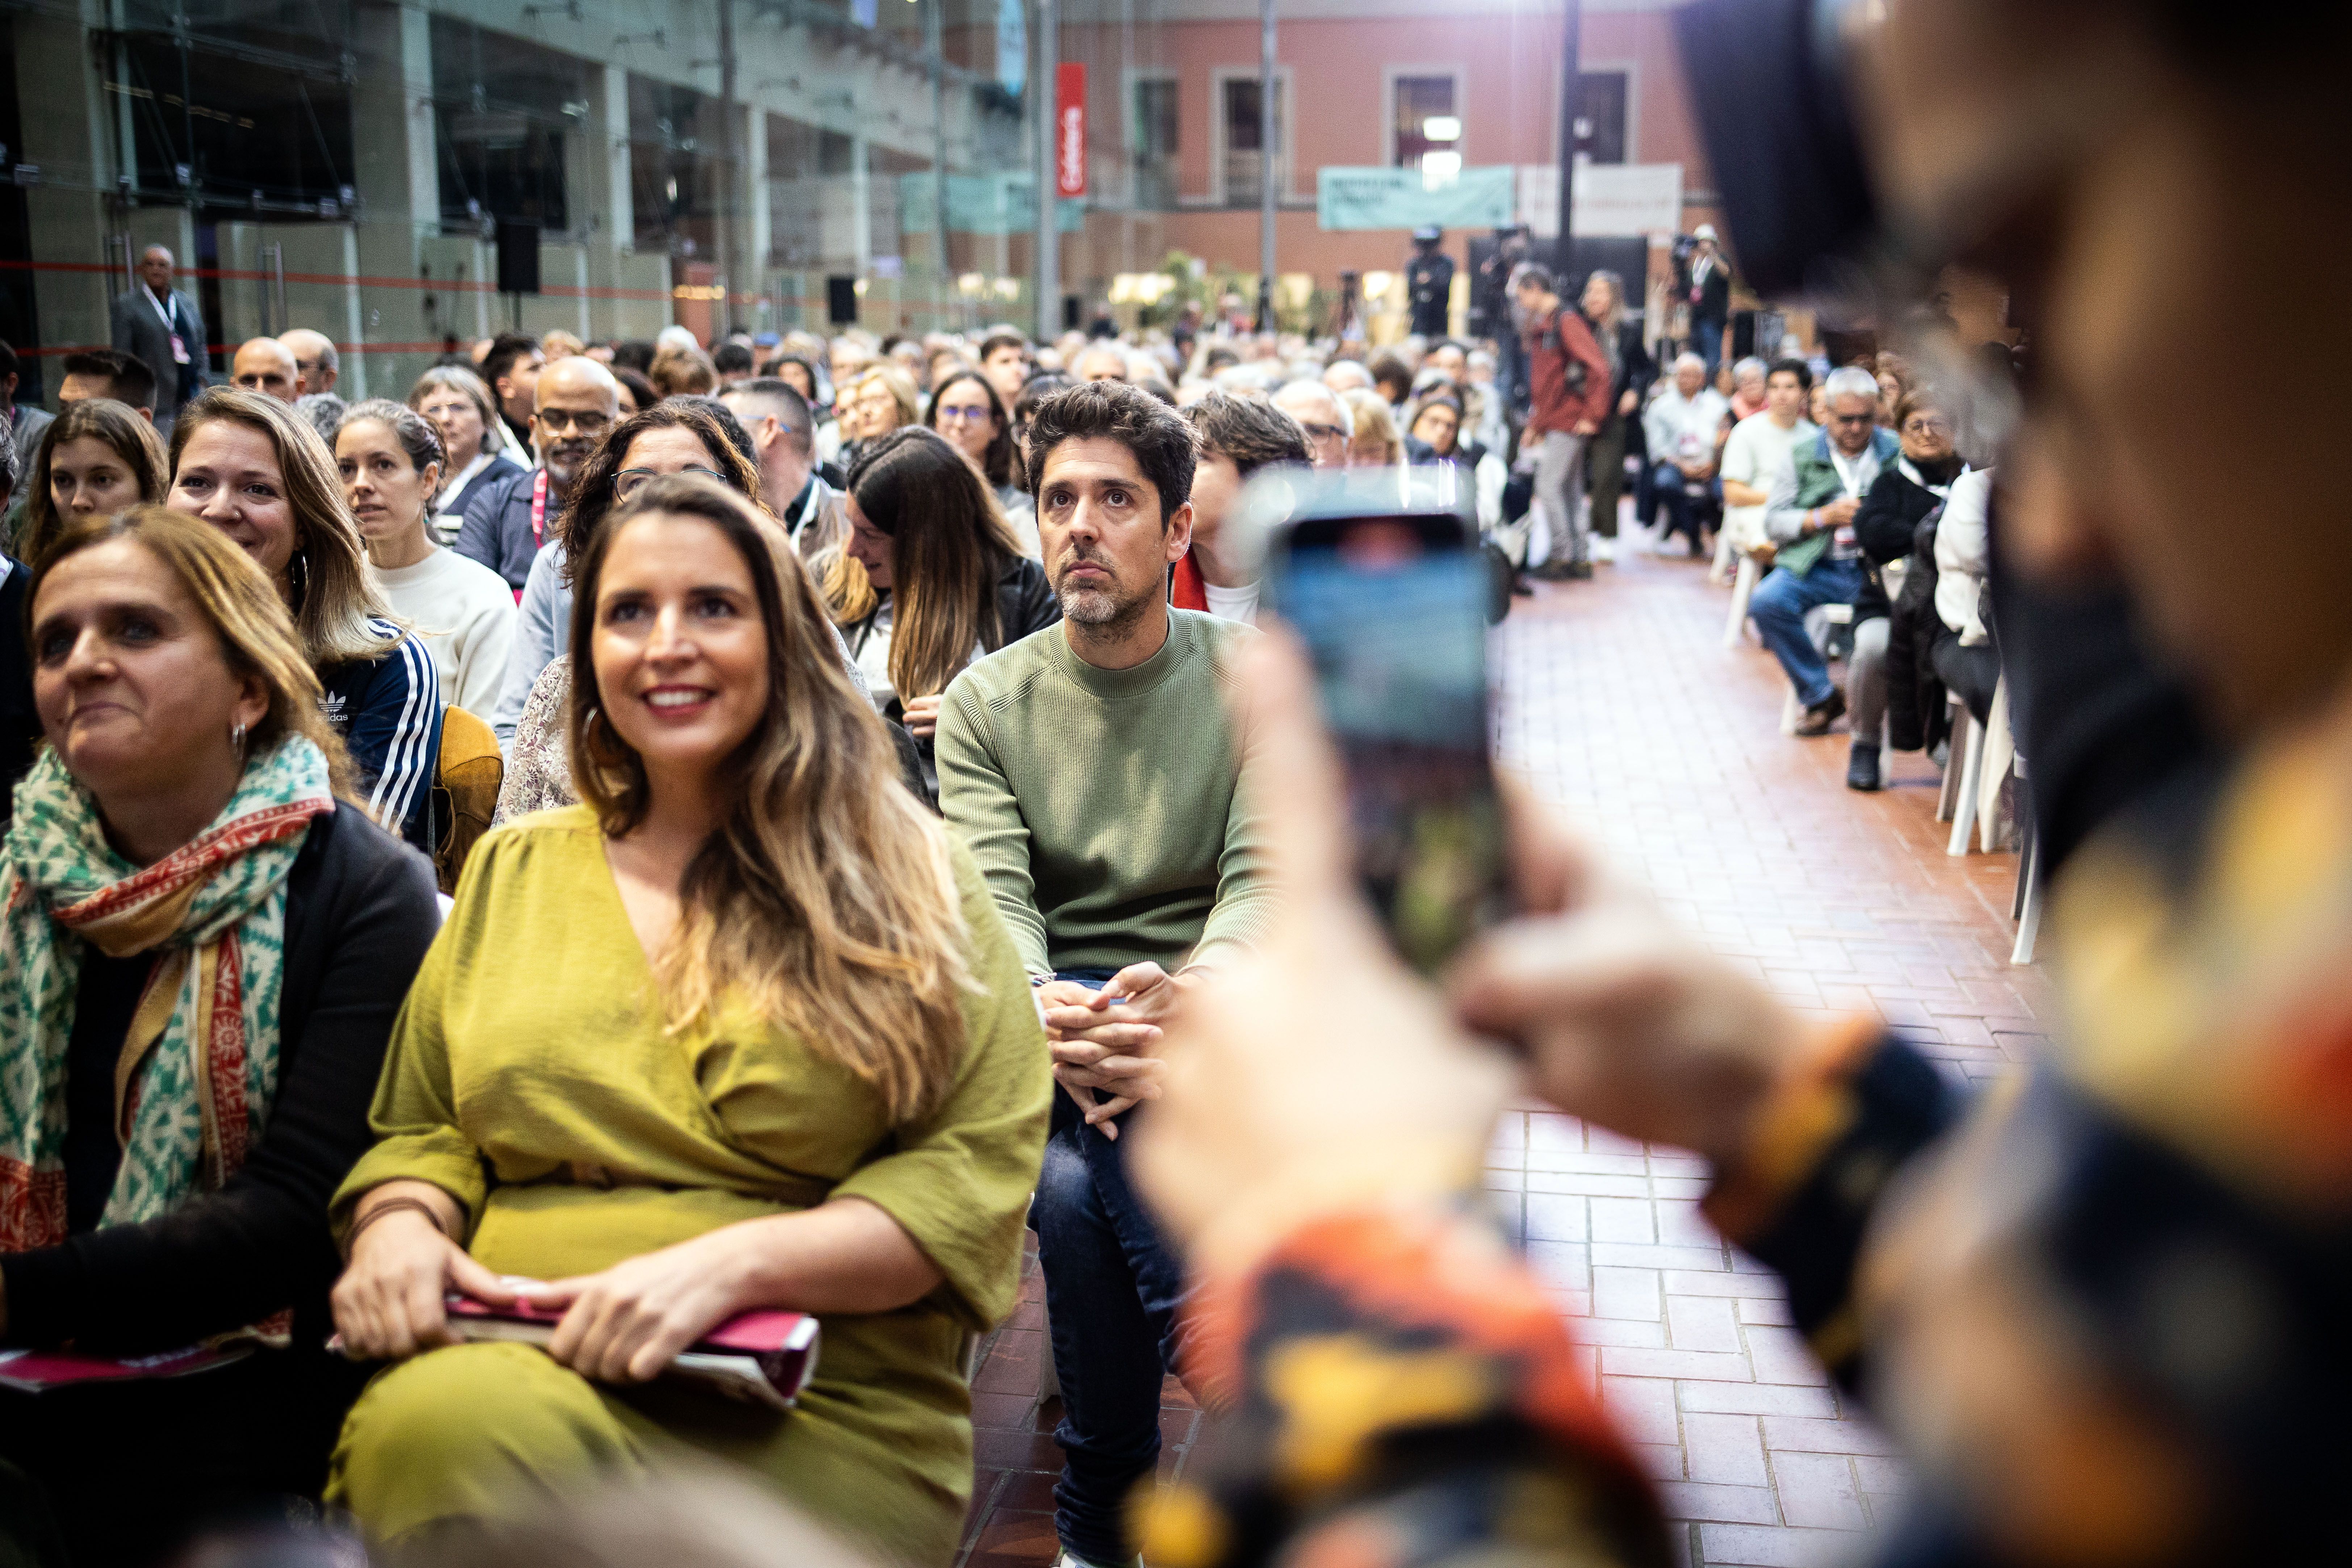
841	300
517	256
1071	321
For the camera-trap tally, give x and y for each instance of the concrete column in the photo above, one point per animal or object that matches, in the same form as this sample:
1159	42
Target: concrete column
72	141
861	202
602	209
757	240
396	174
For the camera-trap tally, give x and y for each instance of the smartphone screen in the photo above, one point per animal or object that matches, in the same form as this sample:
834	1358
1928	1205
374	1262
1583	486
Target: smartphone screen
1393	610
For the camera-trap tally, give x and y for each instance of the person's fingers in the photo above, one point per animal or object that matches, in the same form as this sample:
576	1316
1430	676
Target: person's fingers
1134	981
1113	1036
480	1283
1080	1093
424	1322
1551	971
1301	793
655	1354
1552	869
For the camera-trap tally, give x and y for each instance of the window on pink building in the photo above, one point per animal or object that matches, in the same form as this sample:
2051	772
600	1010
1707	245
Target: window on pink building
1428	124
1245	157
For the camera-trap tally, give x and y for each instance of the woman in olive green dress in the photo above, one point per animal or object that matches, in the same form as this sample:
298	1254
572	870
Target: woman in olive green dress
741	1031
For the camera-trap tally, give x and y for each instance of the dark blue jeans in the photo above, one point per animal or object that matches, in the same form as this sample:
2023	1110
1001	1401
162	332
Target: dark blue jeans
1778	607
1111	1295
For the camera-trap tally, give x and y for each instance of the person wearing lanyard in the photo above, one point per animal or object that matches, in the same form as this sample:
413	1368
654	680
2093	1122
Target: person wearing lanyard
166	329
1810	516
507	525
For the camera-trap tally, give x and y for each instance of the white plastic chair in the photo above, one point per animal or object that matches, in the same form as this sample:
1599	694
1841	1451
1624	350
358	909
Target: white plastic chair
1979	760
1743	586
2025	908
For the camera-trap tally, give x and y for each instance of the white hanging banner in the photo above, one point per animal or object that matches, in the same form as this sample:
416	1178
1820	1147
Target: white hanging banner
1617	201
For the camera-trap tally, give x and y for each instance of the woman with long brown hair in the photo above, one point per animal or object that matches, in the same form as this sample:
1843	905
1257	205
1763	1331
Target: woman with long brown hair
742	1030
246	464
202	945
95	460
946	582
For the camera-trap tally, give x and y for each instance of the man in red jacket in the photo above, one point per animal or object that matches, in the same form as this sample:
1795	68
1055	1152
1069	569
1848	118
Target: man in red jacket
1568	380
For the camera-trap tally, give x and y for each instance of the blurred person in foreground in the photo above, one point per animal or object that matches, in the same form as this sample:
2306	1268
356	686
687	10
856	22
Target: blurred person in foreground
742	1030
2099	1307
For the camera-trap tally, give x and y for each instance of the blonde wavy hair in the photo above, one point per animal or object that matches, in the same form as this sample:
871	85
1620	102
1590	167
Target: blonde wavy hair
256	635
826	902
333	595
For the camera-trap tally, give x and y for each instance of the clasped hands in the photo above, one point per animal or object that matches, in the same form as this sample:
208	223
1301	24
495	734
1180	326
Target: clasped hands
1103	1041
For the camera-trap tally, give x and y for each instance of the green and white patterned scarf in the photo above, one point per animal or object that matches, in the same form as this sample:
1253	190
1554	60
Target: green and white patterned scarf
199	1068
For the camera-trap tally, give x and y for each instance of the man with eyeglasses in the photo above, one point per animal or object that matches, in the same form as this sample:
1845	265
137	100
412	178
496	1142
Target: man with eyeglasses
1810	517
575	404
1328	425
783	431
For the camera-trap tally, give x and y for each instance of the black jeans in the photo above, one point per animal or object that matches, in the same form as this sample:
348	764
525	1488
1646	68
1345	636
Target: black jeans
1112	1289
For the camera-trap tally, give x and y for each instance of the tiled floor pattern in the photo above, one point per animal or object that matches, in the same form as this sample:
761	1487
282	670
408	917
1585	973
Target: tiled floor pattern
1621	704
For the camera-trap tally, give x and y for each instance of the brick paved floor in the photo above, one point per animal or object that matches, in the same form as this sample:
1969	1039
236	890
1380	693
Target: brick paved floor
1621	704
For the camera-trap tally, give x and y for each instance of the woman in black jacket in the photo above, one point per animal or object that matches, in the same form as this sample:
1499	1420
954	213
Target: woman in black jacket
207	941
929	578
1905	492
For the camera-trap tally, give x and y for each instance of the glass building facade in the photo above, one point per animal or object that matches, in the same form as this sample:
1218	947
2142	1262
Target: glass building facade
348	165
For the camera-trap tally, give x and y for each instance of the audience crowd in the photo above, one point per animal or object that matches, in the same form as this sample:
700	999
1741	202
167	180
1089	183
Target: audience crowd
906	838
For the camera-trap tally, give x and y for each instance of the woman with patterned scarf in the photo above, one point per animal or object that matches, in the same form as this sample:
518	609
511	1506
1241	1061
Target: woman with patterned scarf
203	952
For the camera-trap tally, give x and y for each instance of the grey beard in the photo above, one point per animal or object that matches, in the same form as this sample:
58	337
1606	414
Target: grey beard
1089	606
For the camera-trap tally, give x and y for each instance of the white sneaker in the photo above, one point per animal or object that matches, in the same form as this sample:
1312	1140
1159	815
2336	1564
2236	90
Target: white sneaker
1604	549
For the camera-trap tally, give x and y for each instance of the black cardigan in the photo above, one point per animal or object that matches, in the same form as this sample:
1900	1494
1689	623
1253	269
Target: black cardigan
20	725
1883	526
360	912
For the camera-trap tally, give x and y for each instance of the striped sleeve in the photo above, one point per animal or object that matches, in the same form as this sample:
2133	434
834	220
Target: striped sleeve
394	734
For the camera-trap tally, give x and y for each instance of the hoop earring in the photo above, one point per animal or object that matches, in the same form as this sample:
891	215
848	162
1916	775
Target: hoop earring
297	572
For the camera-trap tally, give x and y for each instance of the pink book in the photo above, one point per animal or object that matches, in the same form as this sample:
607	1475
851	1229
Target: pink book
765	1357
37	1371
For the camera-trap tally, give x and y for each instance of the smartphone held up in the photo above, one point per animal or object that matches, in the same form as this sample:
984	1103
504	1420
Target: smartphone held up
1387	589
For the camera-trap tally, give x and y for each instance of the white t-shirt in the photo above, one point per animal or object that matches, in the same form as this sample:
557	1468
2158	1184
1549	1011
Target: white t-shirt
466	614
1233	603
1755	455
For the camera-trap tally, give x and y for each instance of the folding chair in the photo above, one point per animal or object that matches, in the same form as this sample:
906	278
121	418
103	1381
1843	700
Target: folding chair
1743	588
2025	908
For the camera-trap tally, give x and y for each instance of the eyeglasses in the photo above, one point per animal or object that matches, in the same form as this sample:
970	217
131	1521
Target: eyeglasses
971	413
1324	432
1925	425
1852	418
628	481
554	421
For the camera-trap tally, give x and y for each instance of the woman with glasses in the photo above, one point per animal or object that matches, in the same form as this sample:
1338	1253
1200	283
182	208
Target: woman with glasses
670	437
966	409
473	440
880	400
1920	481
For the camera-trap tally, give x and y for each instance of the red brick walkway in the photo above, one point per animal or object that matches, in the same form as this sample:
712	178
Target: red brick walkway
1621	704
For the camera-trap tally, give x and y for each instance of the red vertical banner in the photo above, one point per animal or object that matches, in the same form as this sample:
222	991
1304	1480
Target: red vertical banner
1070	129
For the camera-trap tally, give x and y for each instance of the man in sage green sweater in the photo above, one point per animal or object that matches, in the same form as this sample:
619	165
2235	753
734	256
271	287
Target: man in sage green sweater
1094	771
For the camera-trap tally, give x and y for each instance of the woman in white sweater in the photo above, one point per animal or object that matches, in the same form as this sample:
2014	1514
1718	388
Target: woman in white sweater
391	463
